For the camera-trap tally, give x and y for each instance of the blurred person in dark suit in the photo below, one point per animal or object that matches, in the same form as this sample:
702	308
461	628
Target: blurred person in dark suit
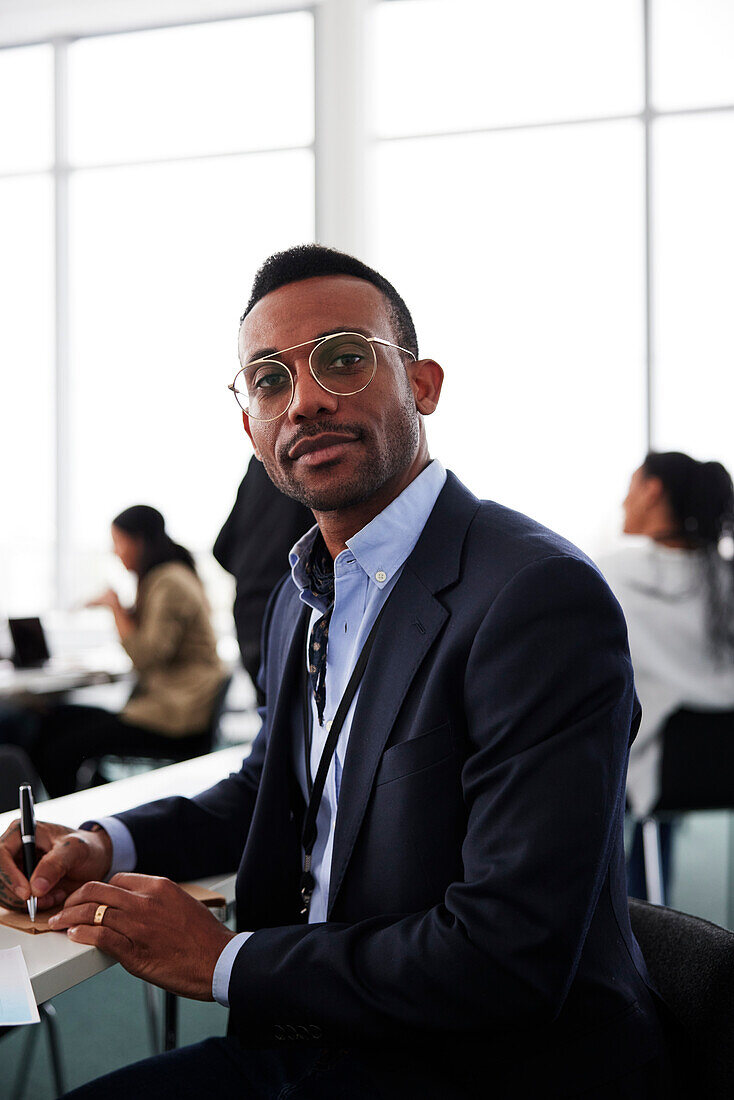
253	546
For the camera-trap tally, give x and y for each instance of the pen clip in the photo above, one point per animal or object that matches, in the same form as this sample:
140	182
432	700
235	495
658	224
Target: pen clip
27	816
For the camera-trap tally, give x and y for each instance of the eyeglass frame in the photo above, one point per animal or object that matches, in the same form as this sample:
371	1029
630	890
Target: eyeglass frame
317	342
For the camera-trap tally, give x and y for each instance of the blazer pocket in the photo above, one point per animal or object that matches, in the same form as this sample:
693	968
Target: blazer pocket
415	755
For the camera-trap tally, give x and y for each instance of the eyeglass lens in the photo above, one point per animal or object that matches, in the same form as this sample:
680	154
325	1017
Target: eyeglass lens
343	364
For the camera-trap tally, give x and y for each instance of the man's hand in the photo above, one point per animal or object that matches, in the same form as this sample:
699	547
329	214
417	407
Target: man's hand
152	927
69	857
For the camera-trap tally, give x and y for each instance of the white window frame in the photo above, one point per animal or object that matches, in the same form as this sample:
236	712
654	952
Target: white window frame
341	150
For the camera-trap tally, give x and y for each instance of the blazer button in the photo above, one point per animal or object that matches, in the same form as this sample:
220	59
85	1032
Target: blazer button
278	1032
303	1032
315	1031
290	1032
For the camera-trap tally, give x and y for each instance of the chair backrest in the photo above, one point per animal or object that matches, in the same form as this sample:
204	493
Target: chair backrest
697	769
111	766
691	963
16	768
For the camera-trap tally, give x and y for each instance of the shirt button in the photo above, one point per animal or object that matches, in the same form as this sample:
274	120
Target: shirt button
380	576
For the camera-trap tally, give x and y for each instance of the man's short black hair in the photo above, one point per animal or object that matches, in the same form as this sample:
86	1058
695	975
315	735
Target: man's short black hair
307	261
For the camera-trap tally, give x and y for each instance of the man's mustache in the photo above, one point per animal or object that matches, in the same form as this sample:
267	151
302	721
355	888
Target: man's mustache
319	427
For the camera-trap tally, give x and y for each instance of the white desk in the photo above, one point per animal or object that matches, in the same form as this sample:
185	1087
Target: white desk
54	962
62	675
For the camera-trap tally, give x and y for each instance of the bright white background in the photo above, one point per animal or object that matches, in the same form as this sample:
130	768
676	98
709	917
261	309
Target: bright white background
547	185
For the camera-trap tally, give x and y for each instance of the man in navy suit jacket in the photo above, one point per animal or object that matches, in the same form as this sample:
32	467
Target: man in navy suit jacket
468	930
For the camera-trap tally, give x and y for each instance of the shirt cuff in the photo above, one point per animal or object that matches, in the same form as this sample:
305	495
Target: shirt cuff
223	969
124	856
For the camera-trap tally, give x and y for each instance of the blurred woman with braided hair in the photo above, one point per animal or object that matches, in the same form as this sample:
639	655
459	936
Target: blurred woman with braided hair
676	587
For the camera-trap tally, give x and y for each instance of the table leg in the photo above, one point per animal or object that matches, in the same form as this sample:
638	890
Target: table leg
170	1039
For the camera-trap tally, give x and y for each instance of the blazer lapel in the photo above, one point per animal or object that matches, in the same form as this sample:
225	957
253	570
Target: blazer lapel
413	618
410	624
271	859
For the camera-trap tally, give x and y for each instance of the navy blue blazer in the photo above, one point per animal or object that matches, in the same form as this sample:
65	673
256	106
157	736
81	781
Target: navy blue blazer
477	911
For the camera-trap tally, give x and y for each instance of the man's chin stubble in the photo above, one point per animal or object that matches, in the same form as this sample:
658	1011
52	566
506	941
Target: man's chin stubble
380	464
336	497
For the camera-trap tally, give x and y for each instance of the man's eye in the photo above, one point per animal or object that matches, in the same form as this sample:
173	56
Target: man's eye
345	362
269	380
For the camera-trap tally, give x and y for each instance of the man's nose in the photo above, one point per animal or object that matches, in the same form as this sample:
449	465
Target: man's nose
309	398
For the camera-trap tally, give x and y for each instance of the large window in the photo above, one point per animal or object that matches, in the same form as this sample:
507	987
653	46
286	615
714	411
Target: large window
552	194
549	186
27	407
693	227
517	229
532	304
180	164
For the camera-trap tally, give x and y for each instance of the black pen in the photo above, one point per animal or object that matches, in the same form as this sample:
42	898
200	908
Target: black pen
28	839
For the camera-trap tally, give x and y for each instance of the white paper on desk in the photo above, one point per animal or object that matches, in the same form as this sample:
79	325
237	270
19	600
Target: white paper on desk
17	1003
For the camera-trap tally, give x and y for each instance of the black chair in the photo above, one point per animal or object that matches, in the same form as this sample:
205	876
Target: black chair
16	768
691	963
697	773
109	766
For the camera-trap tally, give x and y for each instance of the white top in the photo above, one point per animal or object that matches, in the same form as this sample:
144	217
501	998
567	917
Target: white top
663	595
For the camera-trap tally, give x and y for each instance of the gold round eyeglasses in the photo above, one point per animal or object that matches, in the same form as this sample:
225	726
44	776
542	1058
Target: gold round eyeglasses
343	363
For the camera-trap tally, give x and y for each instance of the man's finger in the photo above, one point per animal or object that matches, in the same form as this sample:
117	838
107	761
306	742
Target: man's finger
72	915
11	836
79	914
103	937
140	884
14	888
50	901
103	893
56	864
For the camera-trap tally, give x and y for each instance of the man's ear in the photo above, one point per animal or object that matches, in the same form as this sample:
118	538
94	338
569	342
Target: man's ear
248	429
426	379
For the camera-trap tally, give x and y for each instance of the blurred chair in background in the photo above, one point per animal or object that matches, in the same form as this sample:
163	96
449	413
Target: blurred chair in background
677	592
108	766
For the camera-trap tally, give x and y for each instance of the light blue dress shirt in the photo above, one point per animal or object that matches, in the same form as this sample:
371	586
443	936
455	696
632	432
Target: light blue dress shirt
364	576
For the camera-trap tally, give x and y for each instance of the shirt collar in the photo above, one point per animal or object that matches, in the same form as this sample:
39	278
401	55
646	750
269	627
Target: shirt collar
382	547
299	556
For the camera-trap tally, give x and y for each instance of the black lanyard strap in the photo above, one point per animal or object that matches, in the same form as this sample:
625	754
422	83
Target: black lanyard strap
316	789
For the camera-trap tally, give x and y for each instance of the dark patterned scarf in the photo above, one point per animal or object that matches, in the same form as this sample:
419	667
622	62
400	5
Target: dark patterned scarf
320	572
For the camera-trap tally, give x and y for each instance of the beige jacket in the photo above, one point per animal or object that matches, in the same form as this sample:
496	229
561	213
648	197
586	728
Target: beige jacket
174	652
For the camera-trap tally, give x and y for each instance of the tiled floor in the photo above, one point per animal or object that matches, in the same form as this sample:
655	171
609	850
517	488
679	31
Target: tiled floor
103	1025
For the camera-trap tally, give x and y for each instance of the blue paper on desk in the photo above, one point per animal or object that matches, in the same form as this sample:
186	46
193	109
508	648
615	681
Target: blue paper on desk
17	1003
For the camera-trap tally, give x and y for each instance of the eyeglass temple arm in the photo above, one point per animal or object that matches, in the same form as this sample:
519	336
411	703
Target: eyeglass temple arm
389	344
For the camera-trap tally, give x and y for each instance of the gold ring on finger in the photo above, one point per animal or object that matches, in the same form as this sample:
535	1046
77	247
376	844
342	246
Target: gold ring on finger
99	914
